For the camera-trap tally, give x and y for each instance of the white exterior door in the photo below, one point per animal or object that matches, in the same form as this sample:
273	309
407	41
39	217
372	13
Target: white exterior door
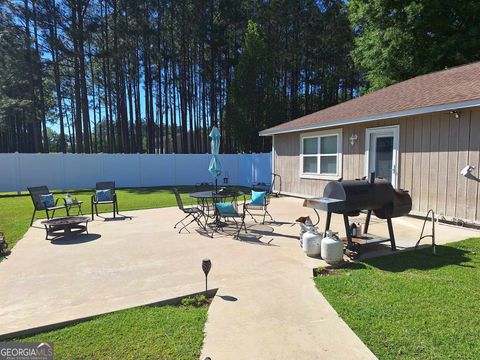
381	152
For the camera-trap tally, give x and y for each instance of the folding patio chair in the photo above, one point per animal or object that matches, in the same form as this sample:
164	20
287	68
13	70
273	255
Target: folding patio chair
43	200
192	211
104	195
258	204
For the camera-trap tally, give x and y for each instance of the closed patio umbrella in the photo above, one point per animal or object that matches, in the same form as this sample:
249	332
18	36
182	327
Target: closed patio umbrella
215	167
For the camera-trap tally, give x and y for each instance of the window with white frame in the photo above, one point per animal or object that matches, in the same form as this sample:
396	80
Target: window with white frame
321	154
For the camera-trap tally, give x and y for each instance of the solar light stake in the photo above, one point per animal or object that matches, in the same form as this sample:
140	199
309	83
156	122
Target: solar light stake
206	266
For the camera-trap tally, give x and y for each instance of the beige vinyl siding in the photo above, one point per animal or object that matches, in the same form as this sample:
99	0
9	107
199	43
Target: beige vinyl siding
433	148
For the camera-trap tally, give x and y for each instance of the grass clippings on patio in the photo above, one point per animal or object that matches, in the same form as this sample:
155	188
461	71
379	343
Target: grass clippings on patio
16	211
167	332
413	305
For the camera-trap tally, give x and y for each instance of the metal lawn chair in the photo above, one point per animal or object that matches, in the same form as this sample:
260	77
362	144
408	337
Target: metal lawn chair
39	205
105	185
254	209
193	212
223	211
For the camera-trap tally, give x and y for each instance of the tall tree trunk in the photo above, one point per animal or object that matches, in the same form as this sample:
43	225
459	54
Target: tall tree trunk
37	140
148	85
166	96
107	107
100	124
56	75
173	115
94	104
133	145
159	83
116	69
78	105
83	78
40	79
138	115
108	88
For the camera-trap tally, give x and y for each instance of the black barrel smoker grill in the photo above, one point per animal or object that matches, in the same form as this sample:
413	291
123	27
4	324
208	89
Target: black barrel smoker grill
349	197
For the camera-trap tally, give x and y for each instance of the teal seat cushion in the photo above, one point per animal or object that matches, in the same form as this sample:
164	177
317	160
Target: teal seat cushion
258	198
226	209
47	200
104	195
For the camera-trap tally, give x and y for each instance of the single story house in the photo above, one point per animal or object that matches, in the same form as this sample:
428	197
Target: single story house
420	134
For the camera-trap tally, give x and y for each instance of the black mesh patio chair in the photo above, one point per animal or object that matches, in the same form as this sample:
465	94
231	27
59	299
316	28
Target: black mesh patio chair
192	211
39	205
258	210
226	212
105	185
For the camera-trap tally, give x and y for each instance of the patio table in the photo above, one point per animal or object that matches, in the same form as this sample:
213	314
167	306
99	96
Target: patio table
65	226
204	196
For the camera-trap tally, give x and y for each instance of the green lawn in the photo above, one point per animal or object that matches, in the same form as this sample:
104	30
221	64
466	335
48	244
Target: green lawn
413	305
167	332
16	212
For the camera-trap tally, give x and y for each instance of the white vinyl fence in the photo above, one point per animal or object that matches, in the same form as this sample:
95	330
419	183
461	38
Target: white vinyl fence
76	171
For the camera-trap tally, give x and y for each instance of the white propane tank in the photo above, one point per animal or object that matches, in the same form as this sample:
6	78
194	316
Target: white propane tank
332	248
312	243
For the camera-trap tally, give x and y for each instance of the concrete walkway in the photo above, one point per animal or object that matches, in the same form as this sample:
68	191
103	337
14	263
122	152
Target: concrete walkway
267	306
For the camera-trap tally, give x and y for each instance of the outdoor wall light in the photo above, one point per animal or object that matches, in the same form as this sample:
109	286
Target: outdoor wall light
206	266
353	139
467	170
455	112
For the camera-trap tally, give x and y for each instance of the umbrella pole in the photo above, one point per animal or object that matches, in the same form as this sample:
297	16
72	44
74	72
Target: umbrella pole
216	185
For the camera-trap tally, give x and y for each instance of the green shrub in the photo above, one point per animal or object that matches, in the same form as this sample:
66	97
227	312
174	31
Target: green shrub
197	300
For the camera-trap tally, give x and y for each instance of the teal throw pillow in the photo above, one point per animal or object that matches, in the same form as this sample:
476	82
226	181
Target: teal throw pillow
47	200
104	195
258	198
226	209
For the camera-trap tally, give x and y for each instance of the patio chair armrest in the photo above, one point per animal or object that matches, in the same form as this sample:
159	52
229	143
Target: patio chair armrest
94	198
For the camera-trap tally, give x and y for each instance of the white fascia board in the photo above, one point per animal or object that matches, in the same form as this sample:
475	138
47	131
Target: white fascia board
410	112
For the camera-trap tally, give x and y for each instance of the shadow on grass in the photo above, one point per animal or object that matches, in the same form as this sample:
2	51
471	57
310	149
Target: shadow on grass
421	259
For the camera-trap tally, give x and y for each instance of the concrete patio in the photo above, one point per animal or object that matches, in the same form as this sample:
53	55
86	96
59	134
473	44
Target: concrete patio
267	306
